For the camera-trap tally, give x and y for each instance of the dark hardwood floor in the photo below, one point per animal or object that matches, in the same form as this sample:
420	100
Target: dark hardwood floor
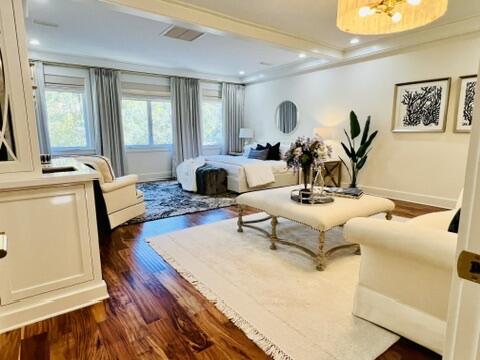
152	312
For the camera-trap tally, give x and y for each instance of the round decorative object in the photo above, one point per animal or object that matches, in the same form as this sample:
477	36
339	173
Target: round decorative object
308	197
286	117
367	17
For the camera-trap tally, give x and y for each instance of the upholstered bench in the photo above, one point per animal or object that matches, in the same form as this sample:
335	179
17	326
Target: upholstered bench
211	180
277	203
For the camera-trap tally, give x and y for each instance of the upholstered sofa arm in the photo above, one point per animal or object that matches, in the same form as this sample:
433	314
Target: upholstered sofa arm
436	247
119	183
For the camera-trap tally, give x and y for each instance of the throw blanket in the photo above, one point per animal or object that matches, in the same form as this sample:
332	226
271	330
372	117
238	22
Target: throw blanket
186	173
257	172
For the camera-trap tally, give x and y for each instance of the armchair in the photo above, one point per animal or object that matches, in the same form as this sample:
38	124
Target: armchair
405	274
122	199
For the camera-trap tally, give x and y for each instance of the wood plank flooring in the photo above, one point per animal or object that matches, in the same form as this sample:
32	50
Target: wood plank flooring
152	312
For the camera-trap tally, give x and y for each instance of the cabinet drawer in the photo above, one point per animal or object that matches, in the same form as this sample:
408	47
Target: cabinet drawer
48	241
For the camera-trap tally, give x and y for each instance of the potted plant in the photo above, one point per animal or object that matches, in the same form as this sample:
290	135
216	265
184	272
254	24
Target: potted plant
358	156
309	156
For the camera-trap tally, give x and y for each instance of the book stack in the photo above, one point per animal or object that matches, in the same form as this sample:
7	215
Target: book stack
350	193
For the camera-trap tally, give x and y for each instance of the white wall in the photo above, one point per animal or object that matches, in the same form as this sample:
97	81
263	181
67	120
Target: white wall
425	168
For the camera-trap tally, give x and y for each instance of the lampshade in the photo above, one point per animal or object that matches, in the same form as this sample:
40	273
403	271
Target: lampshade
325	133
367	17
246	133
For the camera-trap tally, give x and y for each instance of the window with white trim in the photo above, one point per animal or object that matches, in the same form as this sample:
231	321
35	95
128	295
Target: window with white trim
147	122
69	118
212	116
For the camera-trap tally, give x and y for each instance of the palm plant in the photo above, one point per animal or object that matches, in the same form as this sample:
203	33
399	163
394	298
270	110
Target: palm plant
358	157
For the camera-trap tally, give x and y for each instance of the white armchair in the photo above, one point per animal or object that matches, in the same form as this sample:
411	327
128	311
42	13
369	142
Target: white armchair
405	274
122	199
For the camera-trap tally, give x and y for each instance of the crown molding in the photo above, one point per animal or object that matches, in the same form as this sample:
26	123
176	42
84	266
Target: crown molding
410	41
206	20
125	66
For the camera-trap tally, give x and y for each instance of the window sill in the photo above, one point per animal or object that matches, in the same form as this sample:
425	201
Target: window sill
144	149
72	151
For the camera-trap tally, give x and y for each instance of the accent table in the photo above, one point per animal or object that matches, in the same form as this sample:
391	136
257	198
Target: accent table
276	203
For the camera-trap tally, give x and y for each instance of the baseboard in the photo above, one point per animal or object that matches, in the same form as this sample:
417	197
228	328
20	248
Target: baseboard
52	304
423	199
157	176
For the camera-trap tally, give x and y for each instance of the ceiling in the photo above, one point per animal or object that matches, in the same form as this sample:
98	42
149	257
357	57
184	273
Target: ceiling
239	35
89	28
315	19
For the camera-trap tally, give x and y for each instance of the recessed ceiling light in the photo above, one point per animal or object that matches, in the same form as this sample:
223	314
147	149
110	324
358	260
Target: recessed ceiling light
414	2
302	55
34	42
241	72
354	41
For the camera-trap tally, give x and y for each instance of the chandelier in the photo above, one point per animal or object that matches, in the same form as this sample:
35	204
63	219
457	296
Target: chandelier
367	17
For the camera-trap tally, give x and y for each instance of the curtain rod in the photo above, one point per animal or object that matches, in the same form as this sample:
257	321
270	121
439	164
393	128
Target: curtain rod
77	65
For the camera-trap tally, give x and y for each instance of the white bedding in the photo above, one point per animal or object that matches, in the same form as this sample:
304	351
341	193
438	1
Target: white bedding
257	172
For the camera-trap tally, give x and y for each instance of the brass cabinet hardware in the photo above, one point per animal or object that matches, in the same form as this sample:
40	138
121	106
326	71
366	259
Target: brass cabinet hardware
3	245
468	266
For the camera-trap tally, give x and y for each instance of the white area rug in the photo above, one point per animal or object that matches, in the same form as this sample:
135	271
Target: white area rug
277	297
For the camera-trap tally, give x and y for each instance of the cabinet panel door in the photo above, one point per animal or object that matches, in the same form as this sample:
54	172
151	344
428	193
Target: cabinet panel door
48	240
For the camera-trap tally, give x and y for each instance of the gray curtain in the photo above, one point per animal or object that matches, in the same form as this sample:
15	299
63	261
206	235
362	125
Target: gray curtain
40	108
287	117
106	97
187	136
233	97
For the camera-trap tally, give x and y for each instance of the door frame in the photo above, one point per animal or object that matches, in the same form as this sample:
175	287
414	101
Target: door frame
463	320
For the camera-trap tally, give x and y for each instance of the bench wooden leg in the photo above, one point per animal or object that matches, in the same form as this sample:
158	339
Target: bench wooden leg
321	258
273	236
240	218
388	215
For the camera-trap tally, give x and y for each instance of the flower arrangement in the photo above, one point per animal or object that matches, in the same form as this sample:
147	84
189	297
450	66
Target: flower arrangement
309	155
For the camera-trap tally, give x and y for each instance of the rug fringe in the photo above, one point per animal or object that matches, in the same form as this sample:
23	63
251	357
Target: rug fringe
253	334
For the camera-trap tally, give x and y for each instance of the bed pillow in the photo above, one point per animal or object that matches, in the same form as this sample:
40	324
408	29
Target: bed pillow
273	150
247	148
258	154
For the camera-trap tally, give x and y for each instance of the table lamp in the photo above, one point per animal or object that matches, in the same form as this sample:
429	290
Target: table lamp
246	134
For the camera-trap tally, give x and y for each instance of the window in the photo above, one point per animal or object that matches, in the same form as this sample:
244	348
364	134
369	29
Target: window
69	128
147	122
212	122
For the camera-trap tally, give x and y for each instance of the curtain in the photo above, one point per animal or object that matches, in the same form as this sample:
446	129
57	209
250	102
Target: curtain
287	117
105	84
233	97
187	136
40	107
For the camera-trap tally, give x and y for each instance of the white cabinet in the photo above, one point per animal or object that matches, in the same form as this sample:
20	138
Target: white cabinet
19	152
52	261
49	245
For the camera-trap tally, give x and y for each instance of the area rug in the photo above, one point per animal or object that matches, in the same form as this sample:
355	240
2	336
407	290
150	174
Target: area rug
166	199
277	298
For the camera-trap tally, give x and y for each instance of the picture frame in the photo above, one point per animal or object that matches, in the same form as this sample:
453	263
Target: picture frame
421	106
465	104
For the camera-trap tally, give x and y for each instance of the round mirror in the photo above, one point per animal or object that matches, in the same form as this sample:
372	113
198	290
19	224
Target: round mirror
287	117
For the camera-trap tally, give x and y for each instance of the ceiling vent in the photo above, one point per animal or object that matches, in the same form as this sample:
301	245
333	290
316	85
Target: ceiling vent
180	33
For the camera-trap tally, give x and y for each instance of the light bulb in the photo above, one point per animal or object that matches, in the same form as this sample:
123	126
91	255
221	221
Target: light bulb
414	2
396	17
302	55
365	11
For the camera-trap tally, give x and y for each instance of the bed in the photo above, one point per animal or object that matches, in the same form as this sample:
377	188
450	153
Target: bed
246	174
